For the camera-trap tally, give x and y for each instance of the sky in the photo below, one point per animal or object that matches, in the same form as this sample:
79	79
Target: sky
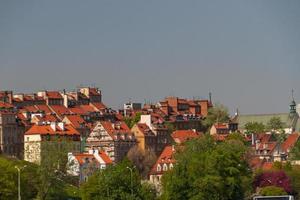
247	53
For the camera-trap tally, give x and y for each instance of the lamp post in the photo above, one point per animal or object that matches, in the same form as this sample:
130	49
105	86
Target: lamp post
19	180
131	169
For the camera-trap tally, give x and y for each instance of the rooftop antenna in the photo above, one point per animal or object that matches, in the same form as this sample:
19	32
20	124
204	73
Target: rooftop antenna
293	95
210	97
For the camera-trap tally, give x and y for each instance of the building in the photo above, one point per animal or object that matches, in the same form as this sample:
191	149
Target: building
11	134
165	162
145	137
38	137
130	108
290	120
161	132
86	164
115	138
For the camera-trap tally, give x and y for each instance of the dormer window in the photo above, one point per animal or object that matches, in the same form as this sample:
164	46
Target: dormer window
171	166
158	168
165	167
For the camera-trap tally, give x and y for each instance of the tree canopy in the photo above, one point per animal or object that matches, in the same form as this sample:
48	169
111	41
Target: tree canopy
208	170
254	127
117	182
217	113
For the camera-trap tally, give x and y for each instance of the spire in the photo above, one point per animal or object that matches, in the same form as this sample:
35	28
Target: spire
210	98
293	104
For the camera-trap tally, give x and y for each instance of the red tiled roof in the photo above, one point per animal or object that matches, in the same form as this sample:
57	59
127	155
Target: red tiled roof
31	109
105	157
46	129
221	126
181	136
76	120
100	106
144	128
88	108
78	110
5	105
166	157
60	110
82	157
289	143
53	95
44	108
108	126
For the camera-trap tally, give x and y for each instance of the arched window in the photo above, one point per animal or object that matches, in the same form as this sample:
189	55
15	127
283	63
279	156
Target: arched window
171	166
158	168
165	167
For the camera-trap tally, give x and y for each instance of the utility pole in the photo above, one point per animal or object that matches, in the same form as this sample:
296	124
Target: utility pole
131	169
19	180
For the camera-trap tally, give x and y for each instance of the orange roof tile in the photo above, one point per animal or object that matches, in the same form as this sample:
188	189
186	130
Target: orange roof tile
46	129
76	120
5	105
53	95
184	135
166	157
290	142
100	106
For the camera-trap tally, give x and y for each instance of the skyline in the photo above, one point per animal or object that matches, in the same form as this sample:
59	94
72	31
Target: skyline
245	53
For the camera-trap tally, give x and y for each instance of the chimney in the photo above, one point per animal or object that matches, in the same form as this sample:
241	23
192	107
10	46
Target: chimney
253	139
53	126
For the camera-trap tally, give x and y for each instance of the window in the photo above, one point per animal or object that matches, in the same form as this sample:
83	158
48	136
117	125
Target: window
158	168
165	168
27	138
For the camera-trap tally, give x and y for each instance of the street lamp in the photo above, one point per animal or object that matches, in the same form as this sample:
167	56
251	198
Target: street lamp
131	169
19	180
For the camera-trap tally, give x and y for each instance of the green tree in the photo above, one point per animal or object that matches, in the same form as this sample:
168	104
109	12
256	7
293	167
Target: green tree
208	170
254	127
272	191
295	152
275	124
9	179
52	171
218	113
116	183
131	121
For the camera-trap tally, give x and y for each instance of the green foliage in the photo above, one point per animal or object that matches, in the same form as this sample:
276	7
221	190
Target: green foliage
275	123
9	179
294	174
208	170
254	127
295	152
53	167
115	183
131	121
170	126
272	191
236	136
218	113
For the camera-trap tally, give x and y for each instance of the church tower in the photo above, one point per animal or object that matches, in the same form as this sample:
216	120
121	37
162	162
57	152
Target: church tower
293	105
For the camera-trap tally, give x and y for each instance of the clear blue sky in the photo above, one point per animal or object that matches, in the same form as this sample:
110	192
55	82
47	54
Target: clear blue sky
247	53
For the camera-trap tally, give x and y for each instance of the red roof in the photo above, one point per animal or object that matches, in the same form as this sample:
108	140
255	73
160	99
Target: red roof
53	95
60	110
5	105
118	127
82	157
166	157
100	106
221	126
220	137
44	108
181	136
76	120
46	129
144	128
289	143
